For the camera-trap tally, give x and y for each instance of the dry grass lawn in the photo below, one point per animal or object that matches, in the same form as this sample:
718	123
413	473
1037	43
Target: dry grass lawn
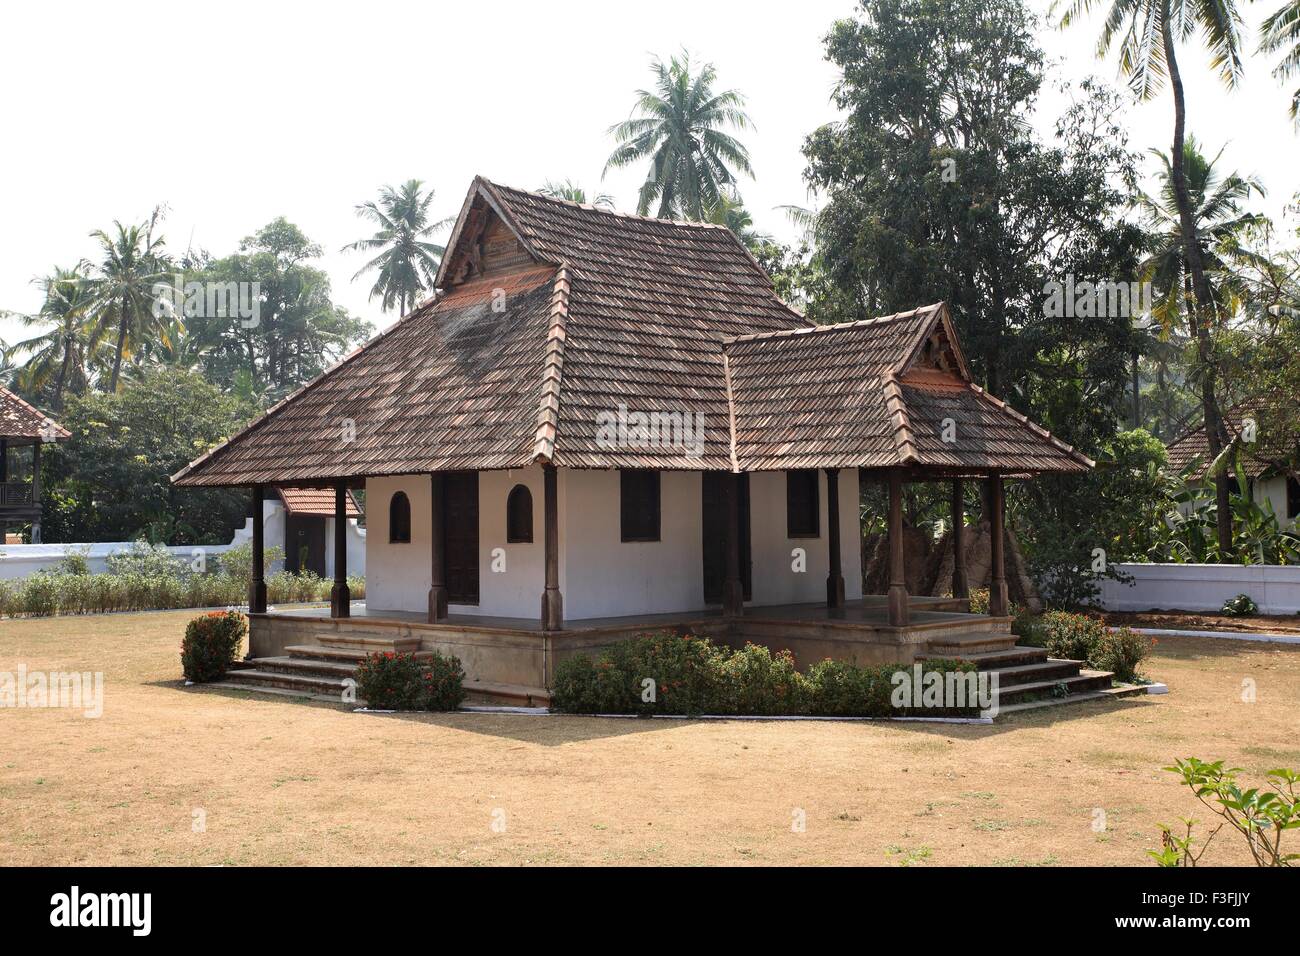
285	782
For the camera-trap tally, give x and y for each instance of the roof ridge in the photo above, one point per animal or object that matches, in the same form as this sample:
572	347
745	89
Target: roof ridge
833	327
548	411
607	212
896	408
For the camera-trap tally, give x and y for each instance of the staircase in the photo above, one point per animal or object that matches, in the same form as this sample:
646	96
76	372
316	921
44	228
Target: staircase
321	671
1028	679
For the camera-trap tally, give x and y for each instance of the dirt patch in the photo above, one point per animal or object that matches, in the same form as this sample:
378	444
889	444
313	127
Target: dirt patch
170	775
1188	621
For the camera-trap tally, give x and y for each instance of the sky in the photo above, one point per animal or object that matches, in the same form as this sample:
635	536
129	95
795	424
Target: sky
237	113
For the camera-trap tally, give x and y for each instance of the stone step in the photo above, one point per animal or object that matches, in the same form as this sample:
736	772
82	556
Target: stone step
1048	671
305	665
971	643
370	643
353	655
1083	682
1109	693
990	660
307	683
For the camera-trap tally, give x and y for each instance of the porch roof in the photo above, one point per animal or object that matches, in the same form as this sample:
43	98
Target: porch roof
315	501
550	315
24	424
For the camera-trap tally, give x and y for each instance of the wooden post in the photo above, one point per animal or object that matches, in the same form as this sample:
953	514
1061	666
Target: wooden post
897	578
835	579
257	586
340	596
552	600
36	492
438	549
960	586
998	601
733	588
4	460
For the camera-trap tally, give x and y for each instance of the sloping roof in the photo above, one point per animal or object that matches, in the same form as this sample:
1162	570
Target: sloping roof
887	392
551	317
22	421
1273	446
315	501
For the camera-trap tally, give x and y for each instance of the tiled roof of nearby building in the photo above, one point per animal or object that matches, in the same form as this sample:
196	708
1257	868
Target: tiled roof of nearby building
315	501
20	420
893	391
1275	443
553	318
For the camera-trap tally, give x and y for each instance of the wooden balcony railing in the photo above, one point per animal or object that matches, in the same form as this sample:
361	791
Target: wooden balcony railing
15	493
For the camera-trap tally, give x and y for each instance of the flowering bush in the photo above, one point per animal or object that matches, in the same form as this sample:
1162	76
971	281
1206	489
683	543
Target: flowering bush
393	681
1074	637
211	645
1121	652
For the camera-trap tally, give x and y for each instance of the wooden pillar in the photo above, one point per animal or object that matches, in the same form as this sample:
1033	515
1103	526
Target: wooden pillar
36	492
835	579
340	596
733	588
438	549
4	460
898	616
998	602
960	585
257	586
552	600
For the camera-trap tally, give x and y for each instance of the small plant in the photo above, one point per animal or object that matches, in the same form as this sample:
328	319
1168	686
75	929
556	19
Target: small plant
1243	605
1071	636
1121	652
211	645
74	561
393	681
1260	816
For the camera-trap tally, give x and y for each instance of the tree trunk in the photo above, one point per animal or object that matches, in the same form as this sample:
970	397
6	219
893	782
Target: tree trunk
1200	312
59	383
121	347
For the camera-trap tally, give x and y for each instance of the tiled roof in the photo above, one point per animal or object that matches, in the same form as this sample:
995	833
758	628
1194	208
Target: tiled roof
1273	445
553	319
20	420
887	392
315	501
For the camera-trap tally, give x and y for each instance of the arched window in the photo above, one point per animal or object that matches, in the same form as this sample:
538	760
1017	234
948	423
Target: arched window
519	516
399	519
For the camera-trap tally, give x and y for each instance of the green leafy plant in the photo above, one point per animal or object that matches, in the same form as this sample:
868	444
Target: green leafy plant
211	645
1261	816
1121	652
393	681
1243	605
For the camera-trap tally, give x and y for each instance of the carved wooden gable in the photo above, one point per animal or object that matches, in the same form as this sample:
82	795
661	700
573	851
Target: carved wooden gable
485	247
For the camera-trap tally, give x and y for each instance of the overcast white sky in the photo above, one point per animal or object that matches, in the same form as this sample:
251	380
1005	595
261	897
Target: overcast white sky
235	113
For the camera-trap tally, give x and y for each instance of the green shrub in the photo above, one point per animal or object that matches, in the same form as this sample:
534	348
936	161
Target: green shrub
1243	605
1121	652
673	674
1071	636
75	561
392	681
211	645
147	560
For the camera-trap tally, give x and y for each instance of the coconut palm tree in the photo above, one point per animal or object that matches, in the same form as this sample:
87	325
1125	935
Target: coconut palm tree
59	353
1148	32
407	260
123	291
730	211
1217	212
569	190
680	129
1279	32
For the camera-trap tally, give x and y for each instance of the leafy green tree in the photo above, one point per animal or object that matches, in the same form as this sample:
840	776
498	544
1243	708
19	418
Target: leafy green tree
298	331
730	211
1148	33
111	480
123	289
568	189
56	357
680	129
407	260
1280	32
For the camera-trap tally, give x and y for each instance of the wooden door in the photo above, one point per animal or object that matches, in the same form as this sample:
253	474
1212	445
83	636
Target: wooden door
304	543
460	534
715	535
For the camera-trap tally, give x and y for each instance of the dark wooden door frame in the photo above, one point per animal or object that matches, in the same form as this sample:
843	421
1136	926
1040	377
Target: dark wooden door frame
713	503
460	528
